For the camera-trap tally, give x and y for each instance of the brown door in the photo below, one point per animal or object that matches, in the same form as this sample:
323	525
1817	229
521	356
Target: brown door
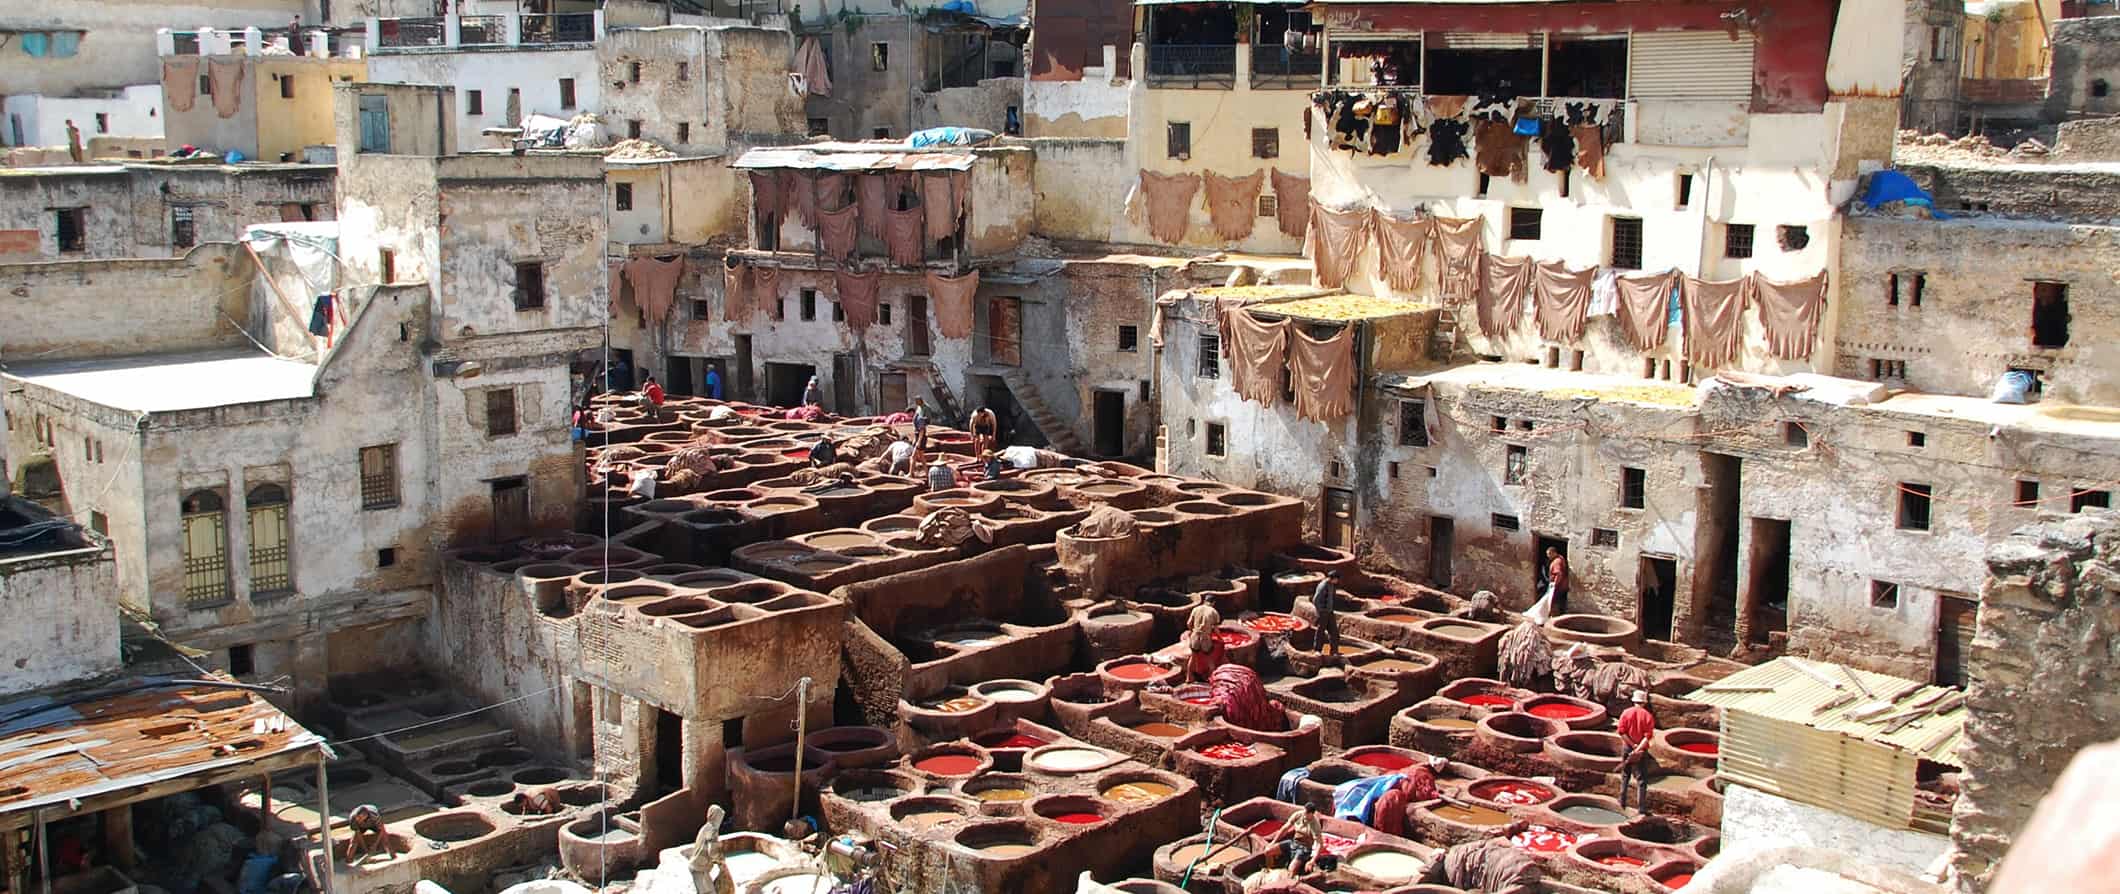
1441	532
1957	619
1338	523
916	326
890	388
744	370
843	382
1004	331
511	507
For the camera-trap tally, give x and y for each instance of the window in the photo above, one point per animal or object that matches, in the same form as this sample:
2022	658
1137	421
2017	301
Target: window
1513	463
1178	139
1526	223
1498	424
1266	142
1217	439
820	127
1481	189
286	90
386	265
2101	88
1921	287
529	285
269	563
182	234
2050	314
566	93
2027	493
1605	537
1939	43
99	523
839	311
2089	499
632	72
1792	237
242	660
386	557
633	128
1269	205
1685	190
1737	240
1884	594
375	123
879	57
1627	243
1392	469
1881	369
1917	439
881	133
1502	522
1633	488
702	309
1914	506
500	412
624	198
205	85
205	549
883	314
1413	423
1795	435
1210	364
684	131
1143	385
474	102
684	71
809	304
1129	339
1335	469
379	477
71	226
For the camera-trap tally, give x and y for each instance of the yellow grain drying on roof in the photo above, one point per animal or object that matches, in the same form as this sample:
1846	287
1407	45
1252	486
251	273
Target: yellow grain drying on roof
1657	395
1258	293
1342	307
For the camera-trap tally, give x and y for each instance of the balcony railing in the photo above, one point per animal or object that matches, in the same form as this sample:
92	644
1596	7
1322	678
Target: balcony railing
482	30
1198	67
411	32
1279	68
563	27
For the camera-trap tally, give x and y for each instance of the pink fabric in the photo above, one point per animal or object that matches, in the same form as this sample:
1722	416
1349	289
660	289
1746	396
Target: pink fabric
1291	196
1458	248
1323	374
1645	308
1336	239
1402	244
1714	320
832	192
835	233
953	302
655	284
869	194
1233	204
735	298
1257	351
857	296
1169	204
902	235
942	195
765	195
180	83
801	192
1790	312
1563	300
1503	284
765	289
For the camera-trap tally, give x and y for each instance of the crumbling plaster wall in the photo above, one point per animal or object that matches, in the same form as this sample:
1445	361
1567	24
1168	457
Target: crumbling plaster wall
1930	84
865	100
1975	316
109	485
659	100
1099	298
493	72
2086	51
1080	186
490	641
1221	123
71	591
1091	108
1004	201
66	309
27	203
496	212
388	203
985	105
748	95
129	208
2044	684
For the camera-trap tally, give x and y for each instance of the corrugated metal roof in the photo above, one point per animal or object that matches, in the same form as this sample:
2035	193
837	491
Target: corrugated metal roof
58	747
1859	704
853	157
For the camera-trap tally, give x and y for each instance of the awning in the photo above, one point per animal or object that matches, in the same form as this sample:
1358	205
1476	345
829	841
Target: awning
852	157
1919	719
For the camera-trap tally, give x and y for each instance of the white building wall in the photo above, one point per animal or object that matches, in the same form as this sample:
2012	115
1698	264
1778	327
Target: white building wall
64	610
493	72
134	111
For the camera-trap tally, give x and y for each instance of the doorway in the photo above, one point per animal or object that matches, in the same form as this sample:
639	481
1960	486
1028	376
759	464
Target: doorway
720	369
890	393
1769	578
1539	544
511	508
682	376
1715	578
620	376
744	371
916	326
669	752
845	378
785	381
1338	523
1004	331
1108	418
1658	581
1957	620
995	395
1441	533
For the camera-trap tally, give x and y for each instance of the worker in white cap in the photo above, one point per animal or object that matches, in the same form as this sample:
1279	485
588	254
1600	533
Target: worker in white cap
1637	726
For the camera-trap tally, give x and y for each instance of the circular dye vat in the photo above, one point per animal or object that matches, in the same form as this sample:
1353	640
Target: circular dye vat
1487	700
1453	629
1451	723
1471	814
1079	819
796	453
1515	794
1228	751
1143	792
1191	853
1268	828
1590	814
970	638
1390	666
1558	711
1622	861
958	705
1160	729
1707	748
948	765
1136	670
1231	637
1002	794
747	865
1007	849
1384	760
1545	840
1390	866
1010	740
1011	694
1676	880
928	819
806	883
1072	760
1275	623
872	793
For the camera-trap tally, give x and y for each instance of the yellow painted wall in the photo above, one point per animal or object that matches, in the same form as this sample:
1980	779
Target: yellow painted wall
2009	44
285	125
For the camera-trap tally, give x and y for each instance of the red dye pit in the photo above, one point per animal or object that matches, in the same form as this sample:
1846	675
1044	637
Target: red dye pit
1707	748
1079	819
1198	700
1384	760
1487	700
1011	740
948	765
1676	880
1623	861
1228	751
796	453
1275	623
1558	711
1544	840
1513	793
1267	828
1231	637
1136	670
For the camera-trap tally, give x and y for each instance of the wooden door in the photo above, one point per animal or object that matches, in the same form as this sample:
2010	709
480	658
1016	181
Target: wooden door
1004	331
1441	534
845	378
1338	523
1957	619
890	393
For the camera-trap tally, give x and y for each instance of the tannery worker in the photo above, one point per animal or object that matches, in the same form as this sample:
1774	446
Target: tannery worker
1207	653
1557	579
1300	835
653	391
713	383
823	453
812	396
940	477
986	429
1418	785
1491	865
366	823
993	465
1637	726
538	802
919	409
1326	600
1236	690
899	458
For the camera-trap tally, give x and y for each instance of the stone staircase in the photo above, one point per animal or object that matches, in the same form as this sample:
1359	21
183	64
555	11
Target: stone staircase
1057	432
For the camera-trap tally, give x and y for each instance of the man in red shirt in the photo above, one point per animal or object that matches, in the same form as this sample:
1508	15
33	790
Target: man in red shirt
653	390
1637	726
1557	578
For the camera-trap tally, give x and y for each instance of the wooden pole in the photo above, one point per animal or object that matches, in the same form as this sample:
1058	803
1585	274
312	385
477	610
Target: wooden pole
324	822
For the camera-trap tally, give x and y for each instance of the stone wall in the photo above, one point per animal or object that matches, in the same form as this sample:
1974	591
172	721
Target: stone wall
66	309
2086	55
2044	683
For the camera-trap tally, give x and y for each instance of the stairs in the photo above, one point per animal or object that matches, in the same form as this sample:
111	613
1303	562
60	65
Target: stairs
1057	432
946	402
1443	341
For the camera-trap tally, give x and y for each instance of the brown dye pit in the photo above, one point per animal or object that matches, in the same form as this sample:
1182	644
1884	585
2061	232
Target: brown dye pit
1160	729
1185	856
958	705
1451	723
841	540
1471	815
928	819
1448	629
1390	665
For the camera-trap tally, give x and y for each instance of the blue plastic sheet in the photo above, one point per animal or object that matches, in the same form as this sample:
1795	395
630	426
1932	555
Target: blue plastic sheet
1893	186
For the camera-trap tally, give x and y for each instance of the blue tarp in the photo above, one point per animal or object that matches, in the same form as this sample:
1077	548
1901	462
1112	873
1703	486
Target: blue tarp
1356	799
948	136
1893	186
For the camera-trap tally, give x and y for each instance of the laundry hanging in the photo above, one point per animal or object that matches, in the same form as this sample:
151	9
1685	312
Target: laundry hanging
1257	352
1233	204
1458	247
832	192
801	194
952	297
857	296
943	195
615	296
1590	149
835	233
1291	197
1446	141
180	83
655	285
1499	150
1561	300
1504	283
1644	308
1790	313
870	195
1402	244
902	235
1557	144
766	198
735	302
765	289
1323	373
1336	239
1714	320
1169	199
1447	106
227	81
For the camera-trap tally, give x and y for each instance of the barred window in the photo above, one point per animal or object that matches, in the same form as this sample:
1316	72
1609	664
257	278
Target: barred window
269	561
379	476
205	549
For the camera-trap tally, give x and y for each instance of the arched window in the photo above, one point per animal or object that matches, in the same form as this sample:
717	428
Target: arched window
205	548
270	571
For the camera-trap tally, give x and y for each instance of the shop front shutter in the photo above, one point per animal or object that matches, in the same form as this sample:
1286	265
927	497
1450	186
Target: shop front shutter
1691	65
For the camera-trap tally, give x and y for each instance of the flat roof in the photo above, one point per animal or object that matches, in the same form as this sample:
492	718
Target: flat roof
876	156
1919	719
164	383
87	742
1555	384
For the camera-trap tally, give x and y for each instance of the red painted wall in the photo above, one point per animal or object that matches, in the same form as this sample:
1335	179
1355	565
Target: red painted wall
1789	70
